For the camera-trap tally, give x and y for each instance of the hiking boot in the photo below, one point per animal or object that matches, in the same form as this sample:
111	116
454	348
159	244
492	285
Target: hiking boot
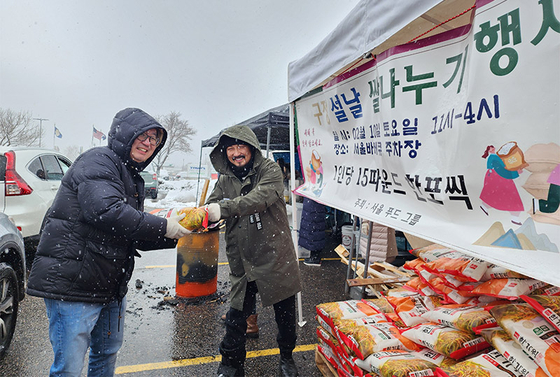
287	367
252	326
228	371
313	261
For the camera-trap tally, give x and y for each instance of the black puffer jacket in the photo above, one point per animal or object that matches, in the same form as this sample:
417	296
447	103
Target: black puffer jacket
96	222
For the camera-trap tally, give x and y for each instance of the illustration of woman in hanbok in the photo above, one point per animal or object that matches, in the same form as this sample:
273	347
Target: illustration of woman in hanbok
315	172
499	190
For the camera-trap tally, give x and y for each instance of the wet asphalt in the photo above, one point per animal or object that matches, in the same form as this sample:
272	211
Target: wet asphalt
166	335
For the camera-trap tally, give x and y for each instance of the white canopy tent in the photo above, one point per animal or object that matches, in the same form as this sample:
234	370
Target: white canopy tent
372	27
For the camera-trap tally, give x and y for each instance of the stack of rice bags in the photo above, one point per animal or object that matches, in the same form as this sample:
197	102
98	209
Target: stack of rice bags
500	305
460	317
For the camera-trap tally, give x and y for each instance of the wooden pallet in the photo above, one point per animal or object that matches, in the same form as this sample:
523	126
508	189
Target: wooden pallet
381	276
326	369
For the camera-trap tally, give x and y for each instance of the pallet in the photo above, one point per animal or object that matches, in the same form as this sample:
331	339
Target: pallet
326	369
381	276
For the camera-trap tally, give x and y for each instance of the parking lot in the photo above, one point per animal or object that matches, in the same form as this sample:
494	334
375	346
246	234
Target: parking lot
170	336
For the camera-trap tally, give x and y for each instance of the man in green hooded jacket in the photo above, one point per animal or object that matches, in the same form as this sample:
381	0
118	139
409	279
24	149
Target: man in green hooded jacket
249	195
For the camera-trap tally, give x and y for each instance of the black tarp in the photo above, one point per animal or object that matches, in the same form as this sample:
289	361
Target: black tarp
276	119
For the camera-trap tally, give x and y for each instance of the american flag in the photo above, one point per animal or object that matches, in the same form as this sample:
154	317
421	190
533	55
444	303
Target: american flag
98	134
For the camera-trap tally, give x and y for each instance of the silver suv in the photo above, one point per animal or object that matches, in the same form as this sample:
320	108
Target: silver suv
29	180
12	279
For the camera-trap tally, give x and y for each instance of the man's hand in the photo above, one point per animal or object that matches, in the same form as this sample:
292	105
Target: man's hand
214	212
174	229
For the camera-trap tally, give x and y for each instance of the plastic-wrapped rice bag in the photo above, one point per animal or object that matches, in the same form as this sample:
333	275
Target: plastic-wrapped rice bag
397	363
535	335
446	340
363	340
410	309
466	318
491	364
512	351
459	264
509	289
547	306
349	309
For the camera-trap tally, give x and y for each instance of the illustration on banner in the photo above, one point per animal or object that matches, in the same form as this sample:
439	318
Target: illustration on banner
500	192
314	173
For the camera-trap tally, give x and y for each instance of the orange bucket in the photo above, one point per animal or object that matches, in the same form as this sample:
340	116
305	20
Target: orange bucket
197	264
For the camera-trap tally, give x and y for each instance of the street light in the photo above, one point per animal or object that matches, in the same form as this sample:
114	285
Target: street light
40	128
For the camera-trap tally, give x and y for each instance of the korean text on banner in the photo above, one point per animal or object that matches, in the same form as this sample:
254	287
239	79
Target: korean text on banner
454	138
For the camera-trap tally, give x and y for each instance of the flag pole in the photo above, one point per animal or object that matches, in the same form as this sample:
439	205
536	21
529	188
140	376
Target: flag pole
53	136
92	135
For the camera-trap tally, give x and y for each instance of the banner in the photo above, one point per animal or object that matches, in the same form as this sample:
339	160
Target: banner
454	138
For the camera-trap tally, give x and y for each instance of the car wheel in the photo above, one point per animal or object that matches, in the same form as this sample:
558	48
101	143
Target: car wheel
8	306
153	194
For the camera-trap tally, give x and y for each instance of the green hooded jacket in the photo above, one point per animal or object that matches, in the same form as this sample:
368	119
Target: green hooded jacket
258	236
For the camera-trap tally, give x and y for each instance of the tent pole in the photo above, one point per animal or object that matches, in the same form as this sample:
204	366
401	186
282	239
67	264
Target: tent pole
199	166
268	141
295	224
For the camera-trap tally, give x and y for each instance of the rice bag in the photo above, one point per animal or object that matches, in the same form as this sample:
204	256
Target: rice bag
431	252
509	289
397	363
451	295
446	340
349	309
512	351
547	290
399	292
547	306
379	304
466	318
535	335
196	219
332	359
498	272
396	320
412	265
419	286
410	309
491	364
434	357
459	264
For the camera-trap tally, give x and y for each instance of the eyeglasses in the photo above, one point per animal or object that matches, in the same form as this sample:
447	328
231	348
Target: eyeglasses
153	140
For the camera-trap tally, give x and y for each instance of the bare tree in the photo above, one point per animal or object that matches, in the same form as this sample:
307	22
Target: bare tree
178	135
72	152
16	128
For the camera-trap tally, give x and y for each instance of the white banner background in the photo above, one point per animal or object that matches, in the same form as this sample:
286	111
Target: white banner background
412	159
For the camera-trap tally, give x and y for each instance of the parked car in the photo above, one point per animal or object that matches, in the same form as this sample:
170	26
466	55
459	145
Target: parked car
30	178
12	279
150	184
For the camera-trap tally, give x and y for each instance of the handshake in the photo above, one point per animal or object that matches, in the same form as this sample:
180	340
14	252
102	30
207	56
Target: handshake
191	219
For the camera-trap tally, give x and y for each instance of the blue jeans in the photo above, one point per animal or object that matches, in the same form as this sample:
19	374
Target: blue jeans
76	326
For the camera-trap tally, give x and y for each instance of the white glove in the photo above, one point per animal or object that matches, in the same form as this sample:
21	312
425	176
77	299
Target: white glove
214	212
174	229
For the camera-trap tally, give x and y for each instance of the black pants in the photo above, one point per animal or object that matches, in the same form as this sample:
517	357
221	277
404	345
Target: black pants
232	347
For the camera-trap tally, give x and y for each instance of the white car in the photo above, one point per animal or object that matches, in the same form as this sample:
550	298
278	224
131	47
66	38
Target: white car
31	177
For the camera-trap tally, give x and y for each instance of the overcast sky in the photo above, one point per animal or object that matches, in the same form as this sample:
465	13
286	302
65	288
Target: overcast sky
77	63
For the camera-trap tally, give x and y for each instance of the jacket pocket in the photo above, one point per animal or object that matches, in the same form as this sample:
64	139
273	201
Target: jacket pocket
103	268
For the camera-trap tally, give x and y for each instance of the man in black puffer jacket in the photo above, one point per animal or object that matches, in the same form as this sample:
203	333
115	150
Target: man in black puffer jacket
85	256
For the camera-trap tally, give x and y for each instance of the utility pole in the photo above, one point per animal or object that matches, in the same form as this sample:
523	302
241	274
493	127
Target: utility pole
40	128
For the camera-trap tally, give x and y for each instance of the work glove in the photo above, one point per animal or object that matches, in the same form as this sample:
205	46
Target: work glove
174	229
214	212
